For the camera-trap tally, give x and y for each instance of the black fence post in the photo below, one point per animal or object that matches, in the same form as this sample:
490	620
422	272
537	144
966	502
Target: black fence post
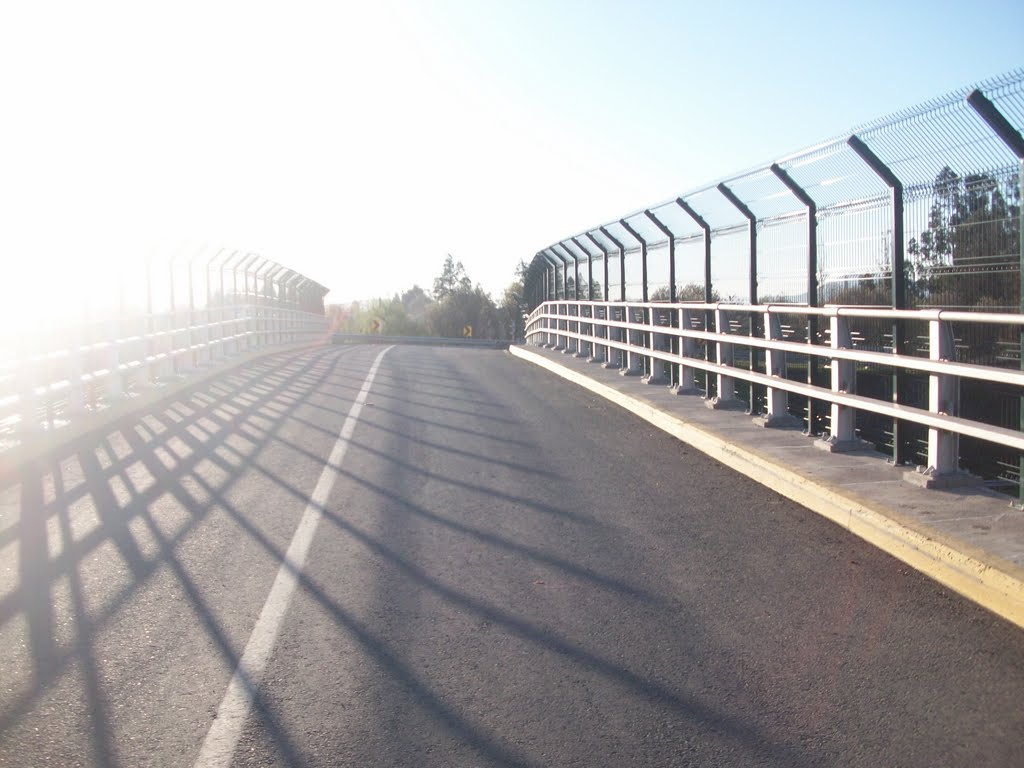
643	257
622	261
812	276
748	214
671	253
604	258
706	229
645	362
590	269
575	272
1012	138
674	378
899	282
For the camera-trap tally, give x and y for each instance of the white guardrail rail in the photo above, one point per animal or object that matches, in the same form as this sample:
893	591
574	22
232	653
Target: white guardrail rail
45	389
703	337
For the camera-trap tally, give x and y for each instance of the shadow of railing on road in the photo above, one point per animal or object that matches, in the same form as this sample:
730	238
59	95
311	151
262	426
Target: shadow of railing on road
209	423
244	397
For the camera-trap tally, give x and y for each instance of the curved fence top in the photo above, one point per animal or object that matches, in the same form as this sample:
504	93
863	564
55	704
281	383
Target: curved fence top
890	213
181	282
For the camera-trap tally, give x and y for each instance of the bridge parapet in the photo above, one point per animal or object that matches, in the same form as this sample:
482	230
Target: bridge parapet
920	210
762	360
56	375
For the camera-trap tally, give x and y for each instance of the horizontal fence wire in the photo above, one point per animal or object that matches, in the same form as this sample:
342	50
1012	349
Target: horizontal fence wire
918	209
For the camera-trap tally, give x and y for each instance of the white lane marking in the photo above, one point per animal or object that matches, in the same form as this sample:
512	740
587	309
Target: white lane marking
222	738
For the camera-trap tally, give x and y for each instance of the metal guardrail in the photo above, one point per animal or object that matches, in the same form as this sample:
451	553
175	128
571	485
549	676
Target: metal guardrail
47	389
709	348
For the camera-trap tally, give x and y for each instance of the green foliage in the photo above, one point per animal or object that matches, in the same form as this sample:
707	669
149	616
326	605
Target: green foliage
512	306
595	287
688	292
415	302
871	290
456	304
359	317
453	279
472	307
969	254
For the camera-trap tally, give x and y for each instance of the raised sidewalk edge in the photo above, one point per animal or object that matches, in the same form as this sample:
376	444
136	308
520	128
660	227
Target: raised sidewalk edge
986	579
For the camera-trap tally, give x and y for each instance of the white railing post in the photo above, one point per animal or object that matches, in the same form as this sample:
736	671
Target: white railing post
613	356
115	378
216	343
28	402
228	329
688	348
657	344
599	352
164	343
172	342
244	327
943	396
777	415
566	341
726	397
206	356
842	436
634	362
943	470
251	326
189	355
583	312
190	338
75	370
571	344
563	343
563	325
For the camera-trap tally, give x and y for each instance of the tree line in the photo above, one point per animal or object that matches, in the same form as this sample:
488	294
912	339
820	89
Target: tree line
968	254
453	303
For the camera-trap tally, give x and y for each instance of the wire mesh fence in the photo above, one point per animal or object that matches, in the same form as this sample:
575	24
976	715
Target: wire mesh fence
103	334
81	303
918	210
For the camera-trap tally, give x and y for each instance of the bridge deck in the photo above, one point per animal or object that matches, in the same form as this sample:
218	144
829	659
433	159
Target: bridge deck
506	570
969	538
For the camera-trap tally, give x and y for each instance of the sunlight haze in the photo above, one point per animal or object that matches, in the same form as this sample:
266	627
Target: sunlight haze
360	143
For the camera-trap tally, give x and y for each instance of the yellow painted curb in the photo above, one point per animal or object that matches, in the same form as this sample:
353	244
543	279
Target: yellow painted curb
986	584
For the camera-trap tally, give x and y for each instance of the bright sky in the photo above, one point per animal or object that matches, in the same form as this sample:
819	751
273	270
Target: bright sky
359	142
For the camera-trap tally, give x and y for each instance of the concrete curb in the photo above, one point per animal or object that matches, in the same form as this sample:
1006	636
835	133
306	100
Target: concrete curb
993	584
15	458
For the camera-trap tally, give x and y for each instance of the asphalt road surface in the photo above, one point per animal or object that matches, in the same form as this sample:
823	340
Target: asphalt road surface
456	559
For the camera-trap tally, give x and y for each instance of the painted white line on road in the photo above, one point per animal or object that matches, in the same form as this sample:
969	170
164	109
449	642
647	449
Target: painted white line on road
222	738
